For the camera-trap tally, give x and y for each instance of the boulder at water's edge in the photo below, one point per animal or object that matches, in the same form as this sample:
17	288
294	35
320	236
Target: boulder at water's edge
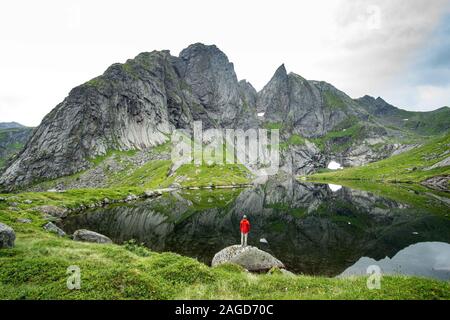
251	258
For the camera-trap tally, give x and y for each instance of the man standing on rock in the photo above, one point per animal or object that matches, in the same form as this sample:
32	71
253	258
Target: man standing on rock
245	229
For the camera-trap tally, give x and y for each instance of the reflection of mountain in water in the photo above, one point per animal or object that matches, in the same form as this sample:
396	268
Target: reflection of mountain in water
307	226
427	259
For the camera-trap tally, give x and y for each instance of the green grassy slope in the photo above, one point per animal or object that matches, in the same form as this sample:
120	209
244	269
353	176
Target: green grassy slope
423	123
410	166
37	269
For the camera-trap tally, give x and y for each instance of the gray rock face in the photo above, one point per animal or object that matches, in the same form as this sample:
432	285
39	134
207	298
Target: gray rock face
309	108
214	84
134	105
251	258
90	236
440	183
51	227
7	236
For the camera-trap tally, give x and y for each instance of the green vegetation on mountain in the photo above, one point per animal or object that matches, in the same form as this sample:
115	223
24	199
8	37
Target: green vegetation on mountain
332	100
423	123
293	140
341	137
13	137
411	166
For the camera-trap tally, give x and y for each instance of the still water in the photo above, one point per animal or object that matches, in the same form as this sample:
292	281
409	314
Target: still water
316	229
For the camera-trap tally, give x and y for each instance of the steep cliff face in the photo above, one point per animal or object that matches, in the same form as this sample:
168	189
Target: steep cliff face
308	108
214	84
134	105
125	108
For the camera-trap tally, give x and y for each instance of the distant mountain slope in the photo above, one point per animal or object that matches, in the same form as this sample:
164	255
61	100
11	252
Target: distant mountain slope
13	137
423	123
429	164
10	125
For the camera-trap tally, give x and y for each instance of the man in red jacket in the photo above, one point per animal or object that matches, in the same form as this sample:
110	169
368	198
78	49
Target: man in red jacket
245	229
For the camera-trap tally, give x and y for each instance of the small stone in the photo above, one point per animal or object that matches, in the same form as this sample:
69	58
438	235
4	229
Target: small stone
27	201
131	197
23	220
51	227
7	236
149	193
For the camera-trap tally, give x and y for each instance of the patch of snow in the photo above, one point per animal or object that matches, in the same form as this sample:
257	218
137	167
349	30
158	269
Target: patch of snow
333	165
405	119
334	187
261	114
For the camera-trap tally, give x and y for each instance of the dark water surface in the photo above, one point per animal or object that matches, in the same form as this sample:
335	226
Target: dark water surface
314	229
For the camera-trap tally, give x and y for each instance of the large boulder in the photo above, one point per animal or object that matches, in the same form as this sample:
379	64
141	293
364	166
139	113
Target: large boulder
7	236
90	236
251	258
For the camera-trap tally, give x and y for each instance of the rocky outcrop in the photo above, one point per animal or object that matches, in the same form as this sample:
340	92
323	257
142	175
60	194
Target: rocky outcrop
214	85
7	236
443	163
134	105
51	227
440	183
250	258
308	108
90	236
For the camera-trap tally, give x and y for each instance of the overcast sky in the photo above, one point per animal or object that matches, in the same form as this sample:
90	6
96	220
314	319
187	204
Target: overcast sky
397	49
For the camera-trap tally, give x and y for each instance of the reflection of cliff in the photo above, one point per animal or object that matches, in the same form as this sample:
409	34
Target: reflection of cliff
310	228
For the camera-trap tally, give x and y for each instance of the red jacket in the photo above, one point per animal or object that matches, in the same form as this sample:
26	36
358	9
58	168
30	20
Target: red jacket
245	226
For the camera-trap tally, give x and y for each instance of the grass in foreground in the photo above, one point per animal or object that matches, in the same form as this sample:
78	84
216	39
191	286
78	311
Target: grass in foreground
37	268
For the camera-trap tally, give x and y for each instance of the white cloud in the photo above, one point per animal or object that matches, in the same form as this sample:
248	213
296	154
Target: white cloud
433	96
50	46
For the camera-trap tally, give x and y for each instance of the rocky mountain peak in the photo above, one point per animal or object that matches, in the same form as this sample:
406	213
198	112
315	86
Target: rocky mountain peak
281	71
210	75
